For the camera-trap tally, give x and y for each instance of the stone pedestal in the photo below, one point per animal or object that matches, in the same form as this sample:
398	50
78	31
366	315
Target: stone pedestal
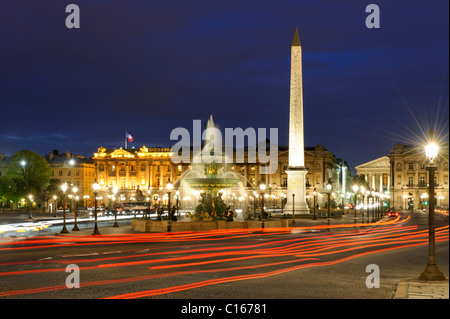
296	185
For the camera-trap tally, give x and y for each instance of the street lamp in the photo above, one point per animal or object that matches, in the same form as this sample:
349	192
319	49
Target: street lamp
314	195
329	187
355	191
115	190
149	191
74	191
64	189
169	186
362	189
55	209
262	187
431	272
372	193
30	197
96	188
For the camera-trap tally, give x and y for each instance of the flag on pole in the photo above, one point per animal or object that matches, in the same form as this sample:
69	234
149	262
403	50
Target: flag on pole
129	137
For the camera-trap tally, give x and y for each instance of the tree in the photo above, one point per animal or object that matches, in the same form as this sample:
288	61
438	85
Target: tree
7	190
30	171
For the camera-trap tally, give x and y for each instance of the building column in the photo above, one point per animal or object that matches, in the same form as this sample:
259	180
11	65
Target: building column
150	174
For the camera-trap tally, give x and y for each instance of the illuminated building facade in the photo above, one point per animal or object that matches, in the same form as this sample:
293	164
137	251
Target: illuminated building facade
148	169
403	175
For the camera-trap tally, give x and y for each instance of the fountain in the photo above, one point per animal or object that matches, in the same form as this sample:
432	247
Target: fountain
212	184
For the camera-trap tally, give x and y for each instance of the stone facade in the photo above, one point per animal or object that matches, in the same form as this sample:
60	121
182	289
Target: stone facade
151	168
403	175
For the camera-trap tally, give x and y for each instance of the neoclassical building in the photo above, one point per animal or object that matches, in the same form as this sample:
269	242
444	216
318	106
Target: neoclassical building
404	176
74	170
148	169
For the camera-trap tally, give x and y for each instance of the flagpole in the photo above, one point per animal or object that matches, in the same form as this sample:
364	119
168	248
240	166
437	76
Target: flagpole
125	139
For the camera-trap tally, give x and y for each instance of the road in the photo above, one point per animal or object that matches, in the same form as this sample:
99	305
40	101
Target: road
311	260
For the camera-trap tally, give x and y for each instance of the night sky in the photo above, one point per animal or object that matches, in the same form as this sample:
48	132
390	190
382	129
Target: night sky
151	66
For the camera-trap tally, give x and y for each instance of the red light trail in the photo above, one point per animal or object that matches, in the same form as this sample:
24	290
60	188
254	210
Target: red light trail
335	243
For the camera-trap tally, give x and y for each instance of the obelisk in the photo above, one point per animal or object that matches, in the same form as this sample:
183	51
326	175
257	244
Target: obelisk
296	170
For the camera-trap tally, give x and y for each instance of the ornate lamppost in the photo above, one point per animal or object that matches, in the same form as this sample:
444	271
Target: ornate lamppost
329	187
96	188
169	186
355	191
262	187
314	195
74	196
362	189
64	189
30	199
431	272
115	189
55	209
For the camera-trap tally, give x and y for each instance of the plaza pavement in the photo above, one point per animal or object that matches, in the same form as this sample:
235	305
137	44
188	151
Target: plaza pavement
408	288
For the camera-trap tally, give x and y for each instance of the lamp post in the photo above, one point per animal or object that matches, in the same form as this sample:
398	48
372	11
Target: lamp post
431	272
96	188
293	210
55	209
115	190
149	192
64	189
372	193
262	186
169	186
75	207
314	195
329	187
355	191
363	194
30	200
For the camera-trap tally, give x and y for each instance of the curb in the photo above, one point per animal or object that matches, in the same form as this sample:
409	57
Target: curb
413	288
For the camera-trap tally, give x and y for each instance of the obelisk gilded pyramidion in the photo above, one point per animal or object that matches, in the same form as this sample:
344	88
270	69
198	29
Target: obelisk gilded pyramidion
296	170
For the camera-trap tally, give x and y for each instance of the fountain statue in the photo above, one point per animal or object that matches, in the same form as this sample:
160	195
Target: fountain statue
210	184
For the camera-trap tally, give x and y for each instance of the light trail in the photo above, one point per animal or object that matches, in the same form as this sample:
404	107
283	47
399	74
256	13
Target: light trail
212	248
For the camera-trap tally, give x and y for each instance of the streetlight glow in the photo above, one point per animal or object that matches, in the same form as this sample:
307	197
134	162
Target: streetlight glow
431	151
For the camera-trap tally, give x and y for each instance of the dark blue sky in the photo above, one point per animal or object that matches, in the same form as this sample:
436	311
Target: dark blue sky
152	66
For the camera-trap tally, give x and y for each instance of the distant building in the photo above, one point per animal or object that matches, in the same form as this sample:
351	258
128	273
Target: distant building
403	175
150	168
75	170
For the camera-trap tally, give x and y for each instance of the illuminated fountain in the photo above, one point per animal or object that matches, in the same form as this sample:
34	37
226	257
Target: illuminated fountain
208	188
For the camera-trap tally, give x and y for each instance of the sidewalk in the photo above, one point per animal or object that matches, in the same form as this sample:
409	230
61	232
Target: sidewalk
413	288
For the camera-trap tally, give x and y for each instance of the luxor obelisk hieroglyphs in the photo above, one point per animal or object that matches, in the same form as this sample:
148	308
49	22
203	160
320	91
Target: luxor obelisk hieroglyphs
296	171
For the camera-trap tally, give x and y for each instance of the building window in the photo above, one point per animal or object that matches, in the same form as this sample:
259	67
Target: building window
411	165
422	165
69	173
77	173
60	173
142	168
101	167
422	181
285	182
307	182
410	181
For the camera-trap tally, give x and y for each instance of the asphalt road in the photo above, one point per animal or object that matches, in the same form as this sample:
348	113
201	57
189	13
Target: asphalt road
311	261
